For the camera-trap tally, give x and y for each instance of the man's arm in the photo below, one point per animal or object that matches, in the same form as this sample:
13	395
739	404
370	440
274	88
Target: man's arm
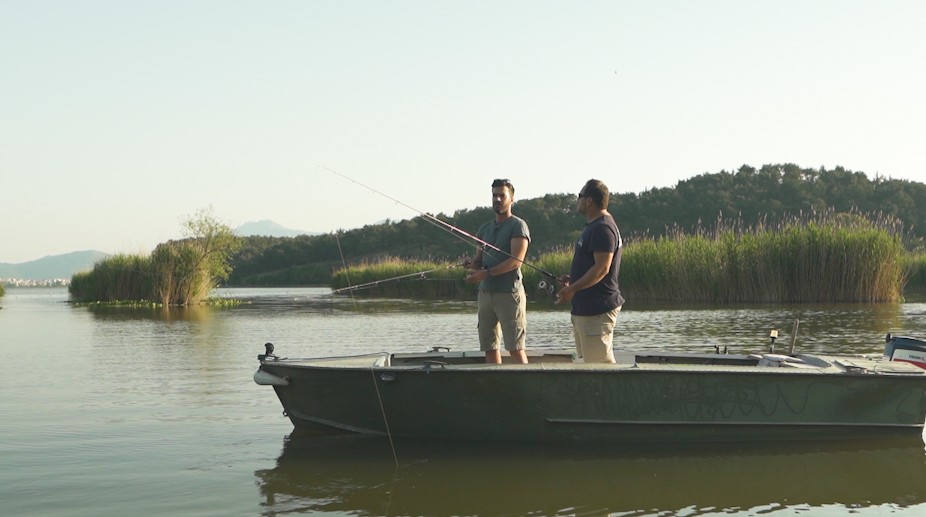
591	277
518	252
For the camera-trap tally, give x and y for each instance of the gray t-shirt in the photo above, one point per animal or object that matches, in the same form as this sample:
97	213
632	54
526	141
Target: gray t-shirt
500	235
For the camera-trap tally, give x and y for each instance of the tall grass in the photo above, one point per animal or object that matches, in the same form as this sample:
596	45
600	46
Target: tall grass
115	278
177	273
818	259
916	265
825	260
394	277
180	278
556	263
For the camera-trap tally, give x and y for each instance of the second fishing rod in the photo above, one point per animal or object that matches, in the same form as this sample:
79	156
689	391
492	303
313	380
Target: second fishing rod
455	231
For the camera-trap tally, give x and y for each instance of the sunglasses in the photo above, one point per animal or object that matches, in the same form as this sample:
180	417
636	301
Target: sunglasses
502	183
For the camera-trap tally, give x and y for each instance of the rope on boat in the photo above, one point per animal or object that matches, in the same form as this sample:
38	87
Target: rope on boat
385	420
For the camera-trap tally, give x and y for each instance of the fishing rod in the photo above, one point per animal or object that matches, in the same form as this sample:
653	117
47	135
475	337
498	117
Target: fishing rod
420	274
455	231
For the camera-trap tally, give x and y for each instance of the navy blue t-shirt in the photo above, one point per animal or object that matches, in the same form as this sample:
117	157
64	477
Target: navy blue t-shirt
600	235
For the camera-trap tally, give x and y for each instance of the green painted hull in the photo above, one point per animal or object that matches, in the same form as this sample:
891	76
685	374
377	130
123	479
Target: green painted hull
648	399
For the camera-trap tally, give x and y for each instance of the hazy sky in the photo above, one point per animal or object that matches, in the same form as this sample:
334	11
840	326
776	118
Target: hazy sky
119	119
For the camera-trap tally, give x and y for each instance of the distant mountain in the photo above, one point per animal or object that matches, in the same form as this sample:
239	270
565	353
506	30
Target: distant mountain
269	229
53	266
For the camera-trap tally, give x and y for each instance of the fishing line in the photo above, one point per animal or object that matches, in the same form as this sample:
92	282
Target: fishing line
443	224
344	264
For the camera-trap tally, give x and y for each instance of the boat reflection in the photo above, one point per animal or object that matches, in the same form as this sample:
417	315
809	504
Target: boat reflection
358	476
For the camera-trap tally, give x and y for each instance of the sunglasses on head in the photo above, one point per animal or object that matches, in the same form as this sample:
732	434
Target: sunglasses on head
501	183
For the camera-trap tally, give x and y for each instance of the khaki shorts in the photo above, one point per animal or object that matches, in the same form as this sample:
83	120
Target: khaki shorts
595	336
502	310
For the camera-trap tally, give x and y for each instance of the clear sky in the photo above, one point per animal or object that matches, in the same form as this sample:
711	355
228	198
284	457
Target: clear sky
120	119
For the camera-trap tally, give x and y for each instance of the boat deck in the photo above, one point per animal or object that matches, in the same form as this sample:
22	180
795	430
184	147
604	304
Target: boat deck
661	361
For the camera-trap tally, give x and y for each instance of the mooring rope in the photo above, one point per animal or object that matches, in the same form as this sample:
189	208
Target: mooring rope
385	420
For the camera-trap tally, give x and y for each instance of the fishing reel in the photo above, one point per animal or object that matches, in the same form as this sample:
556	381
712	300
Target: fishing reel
545	286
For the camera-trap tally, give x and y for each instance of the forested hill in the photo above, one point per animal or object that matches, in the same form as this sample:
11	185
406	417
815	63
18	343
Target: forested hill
747	195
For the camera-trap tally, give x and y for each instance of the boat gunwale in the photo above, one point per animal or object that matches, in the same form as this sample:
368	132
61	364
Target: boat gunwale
831	367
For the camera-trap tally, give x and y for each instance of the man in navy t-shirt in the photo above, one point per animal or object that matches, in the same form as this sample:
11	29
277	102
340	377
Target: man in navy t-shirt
591	284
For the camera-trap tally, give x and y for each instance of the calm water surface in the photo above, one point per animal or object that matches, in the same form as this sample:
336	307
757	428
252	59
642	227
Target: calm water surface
148	412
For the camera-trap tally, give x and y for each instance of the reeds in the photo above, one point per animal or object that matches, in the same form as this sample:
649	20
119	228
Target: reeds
820	258
555	263
828	258
115	278
394	277
176	273
916	266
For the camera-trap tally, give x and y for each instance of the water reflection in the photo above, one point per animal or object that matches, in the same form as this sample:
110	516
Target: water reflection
358	475
195	313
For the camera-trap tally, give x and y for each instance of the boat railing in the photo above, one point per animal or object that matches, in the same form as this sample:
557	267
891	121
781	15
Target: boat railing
622	357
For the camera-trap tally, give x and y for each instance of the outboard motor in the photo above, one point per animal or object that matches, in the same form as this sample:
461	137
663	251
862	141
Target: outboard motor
906	349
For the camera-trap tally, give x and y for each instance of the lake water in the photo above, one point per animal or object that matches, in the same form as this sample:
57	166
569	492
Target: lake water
119	411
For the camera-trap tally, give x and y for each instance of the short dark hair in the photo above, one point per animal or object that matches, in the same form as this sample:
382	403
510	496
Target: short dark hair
504	183
597	192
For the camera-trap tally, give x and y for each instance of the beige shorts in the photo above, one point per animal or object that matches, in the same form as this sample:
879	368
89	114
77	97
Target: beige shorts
502	311
595	336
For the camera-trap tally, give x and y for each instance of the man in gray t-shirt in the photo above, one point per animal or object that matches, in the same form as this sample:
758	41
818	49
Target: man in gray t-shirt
501	300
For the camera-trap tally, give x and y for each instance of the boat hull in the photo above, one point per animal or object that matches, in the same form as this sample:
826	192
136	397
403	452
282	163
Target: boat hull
563	403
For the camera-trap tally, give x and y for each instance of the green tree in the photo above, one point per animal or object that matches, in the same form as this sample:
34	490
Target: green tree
187	270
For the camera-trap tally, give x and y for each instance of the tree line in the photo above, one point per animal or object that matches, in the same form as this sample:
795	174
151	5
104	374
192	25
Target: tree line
747	196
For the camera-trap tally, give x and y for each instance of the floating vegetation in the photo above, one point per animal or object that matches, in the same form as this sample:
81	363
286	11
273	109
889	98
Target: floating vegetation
144	304
119	303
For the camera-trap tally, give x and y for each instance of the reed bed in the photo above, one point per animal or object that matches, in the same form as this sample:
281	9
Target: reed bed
825	259
175	274
916	265
124	278
556	263
817	263
180	278
398	278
